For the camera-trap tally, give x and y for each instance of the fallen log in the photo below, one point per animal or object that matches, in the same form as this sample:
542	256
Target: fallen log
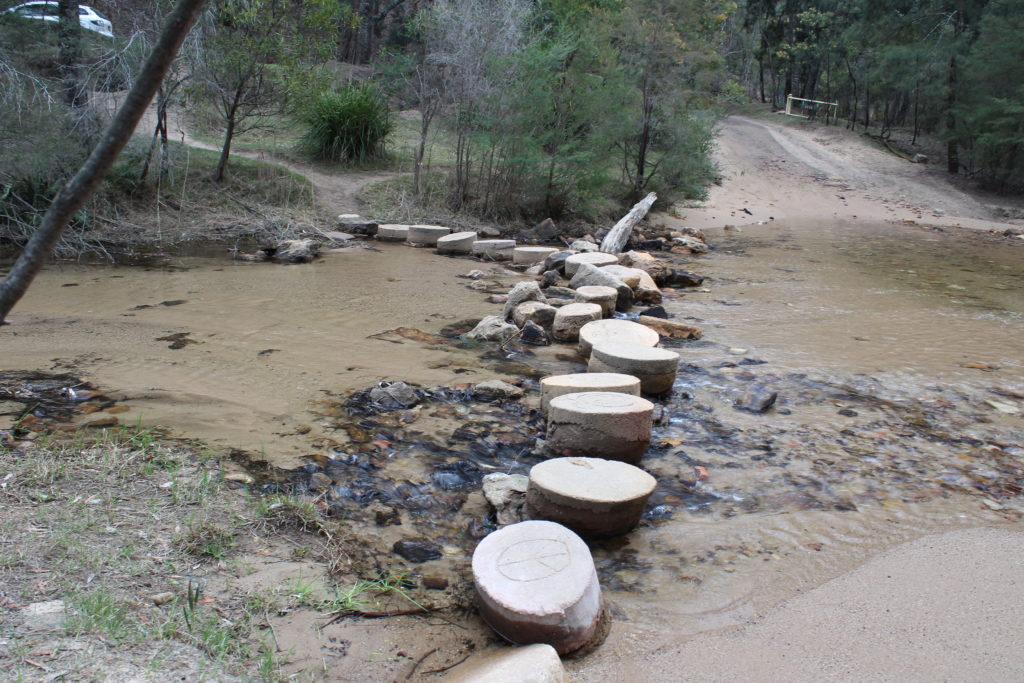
616	239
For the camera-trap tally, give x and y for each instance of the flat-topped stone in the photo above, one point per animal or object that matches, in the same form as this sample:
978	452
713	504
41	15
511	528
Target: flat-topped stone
592	496
590	275
426	235
600	424
594	258
558	385
497	250
655	367
525	256
537	663
392	232
613	330
603	296
456	242
537	584
571	317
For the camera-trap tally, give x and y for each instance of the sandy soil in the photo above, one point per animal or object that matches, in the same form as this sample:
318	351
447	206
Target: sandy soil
778	171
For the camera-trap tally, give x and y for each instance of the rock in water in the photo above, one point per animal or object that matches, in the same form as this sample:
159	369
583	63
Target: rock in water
757	399
416	550
493	328
556	261
296	251
587	274
507	495
683	278
523	291
496	390
394	396
534	335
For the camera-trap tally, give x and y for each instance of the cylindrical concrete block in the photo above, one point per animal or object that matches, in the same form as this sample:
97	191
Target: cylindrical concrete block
558	385
600	424
571	317
596	258
537	312
496	250
605	297
456	243
392	232
426	235
595	498
654	367
537	584
613	330
525	256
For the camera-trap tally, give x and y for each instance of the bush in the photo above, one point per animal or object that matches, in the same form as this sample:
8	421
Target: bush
349	125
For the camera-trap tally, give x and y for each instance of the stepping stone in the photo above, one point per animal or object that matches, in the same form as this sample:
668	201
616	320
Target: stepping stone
557	385
595	498
605	297
526	256
537	312
600	424
613	330
496	250
537	584
538	663
594	258
588	275
392	232
456	243
571	317
655	368
426	235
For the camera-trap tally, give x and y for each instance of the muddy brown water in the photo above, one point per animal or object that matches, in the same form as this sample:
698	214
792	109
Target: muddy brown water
883	341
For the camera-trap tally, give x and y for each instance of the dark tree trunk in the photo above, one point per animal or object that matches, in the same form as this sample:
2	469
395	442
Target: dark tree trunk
74	194
70	38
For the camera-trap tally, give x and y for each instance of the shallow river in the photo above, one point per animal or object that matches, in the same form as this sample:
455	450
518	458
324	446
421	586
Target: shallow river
884	342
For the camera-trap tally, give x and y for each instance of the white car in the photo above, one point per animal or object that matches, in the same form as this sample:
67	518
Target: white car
90	19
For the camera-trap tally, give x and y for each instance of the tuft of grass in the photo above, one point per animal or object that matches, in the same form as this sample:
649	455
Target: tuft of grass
99	613
282	512
350	125
205	539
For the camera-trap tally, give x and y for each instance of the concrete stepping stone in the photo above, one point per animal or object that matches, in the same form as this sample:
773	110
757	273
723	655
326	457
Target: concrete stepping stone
600	424
456	243
527	256
605	297
613	330
571	317
594	258
496	250
538	663
596	498
537	584
426	235
537	312
392	232
655	367
558	385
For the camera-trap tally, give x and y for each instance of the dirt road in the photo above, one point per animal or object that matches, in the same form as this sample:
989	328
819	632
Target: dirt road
778	171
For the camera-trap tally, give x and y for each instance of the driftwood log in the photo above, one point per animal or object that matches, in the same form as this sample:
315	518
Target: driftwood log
616	239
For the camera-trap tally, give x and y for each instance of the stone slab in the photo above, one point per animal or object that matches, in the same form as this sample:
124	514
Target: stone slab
537	584
456	242
426	235
592	496
538	663
496	250
613	330
558	385
525	256
392	232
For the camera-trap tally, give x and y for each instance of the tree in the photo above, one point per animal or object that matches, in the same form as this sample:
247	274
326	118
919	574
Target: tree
77	190
254	55
70	41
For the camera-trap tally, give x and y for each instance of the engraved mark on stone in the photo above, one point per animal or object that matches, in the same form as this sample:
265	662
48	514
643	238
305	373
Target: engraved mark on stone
533	560
606	400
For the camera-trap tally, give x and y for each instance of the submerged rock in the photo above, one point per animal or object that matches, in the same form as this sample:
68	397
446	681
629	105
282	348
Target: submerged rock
507	495
416	550
683	278
534	335
496	390
757	399
296	251
393	396
493	328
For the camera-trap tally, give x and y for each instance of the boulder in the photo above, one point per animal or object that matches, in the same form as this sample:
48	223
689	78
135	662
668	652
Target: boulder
670	328
595	258
695	245
417	550
528	290
588	275
357	227
683	278
549	278
656	268
533	334
394	395
645	290
571	317
545	231
538	663
493	328
556	261
507	495
655	312
496	390
537	312
583	246
757	399
296	251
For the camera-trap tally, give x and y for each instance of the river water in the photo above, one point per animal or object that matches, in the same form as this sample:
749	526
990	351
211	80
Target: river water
885	343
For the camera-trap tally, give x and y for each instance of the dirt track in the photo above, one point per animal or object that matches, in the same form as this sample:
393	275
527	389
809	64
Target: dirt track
780	171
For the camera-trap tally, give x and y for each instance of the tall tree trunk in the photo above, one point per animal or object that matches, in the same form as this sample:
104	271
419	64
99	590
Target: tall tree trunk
69	36
952	144
74	194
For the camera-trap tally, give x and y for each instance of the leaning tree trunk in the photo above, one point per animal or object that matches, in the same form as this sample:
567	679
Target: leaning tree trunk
617	237
74	194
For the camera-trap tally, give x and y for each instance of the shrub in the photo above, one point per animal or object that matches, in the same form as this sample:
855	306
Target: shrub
351	124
